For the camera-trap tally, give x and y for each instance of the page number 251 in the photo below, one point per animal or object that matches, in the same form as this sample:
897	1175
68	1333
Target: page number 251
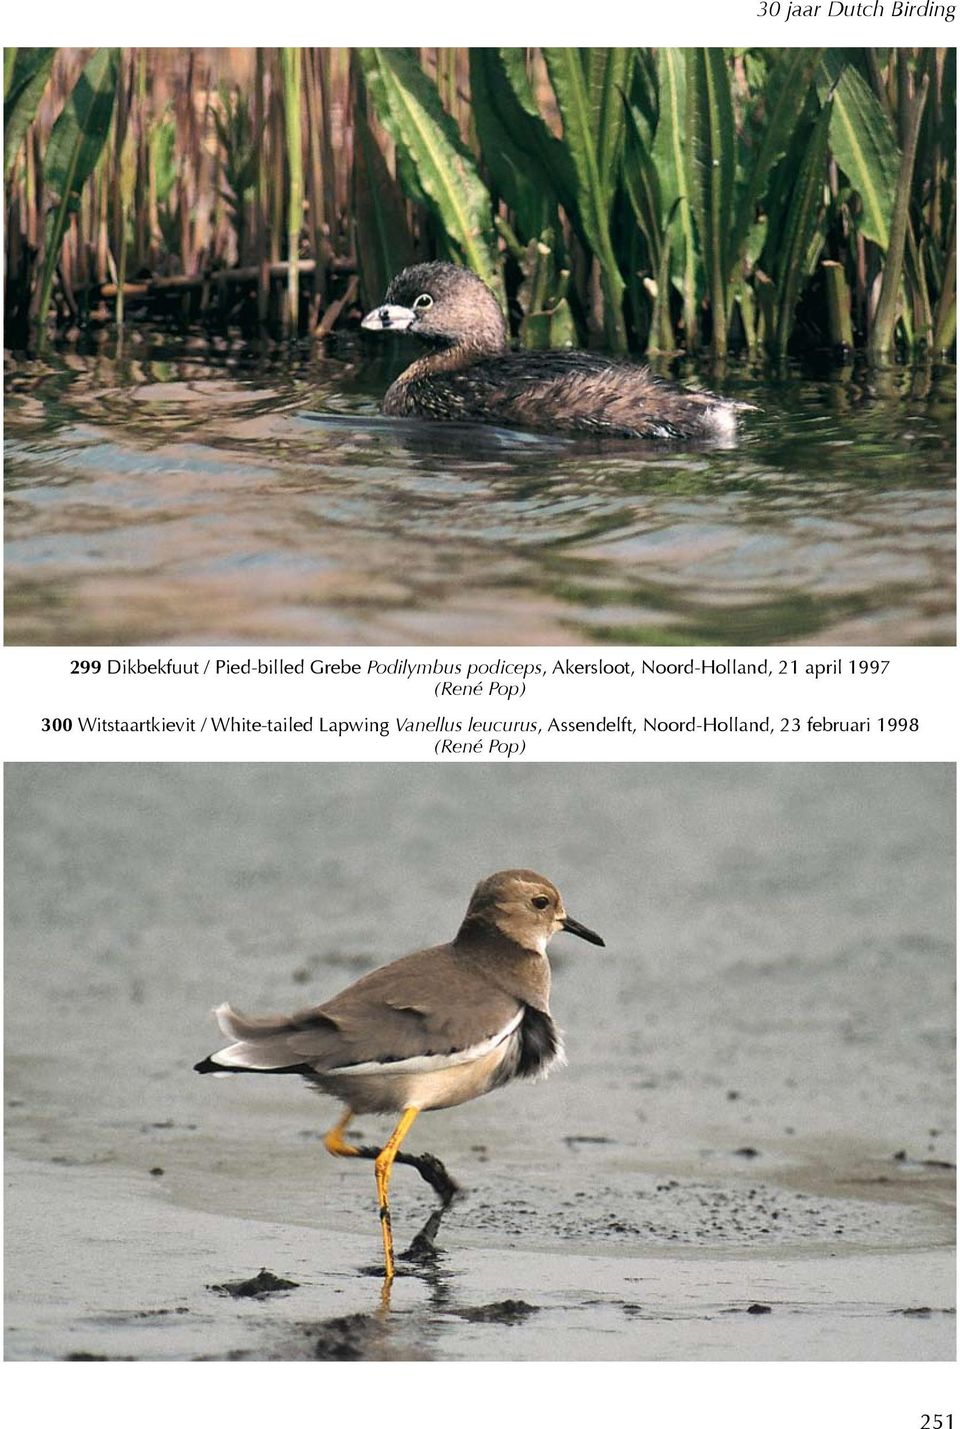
936	1421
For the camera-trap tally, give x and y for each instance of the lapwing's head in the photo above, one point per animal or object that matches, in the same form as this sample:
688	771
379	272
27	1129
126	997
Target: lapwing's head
444	305
526	908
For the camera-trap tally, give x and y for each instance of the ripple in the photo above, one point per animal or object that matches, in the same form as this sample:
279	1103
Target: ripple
190	493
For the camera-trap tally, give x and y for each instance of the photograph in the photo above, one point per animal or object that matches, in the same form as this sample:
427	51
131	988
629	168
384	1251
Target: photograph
480	346
356	1062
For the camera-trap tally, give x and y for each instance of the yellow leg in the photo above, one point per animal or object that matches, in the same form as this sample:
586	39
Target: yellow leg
383	1167
334	1141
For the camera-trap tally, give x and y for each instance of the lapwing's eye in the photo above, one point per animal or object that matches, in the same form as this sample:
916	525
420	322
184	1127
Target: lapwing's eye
540	901
422	303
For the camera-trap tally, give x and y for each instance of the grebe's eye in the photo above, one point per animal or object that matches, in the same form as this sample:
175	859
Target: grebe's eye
540	901
422	303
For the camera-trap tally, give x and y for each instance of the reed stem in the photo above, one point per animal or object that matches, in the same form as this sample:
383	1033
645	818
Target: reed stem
885	318
292	104
838	305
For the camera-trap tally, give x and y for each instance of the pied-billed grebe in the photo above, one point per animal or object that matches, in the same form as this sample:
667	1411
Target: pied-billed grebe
471	375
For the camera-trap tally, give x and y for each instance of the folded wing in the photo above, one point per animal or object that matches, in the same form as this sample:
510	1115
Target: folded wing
395	1014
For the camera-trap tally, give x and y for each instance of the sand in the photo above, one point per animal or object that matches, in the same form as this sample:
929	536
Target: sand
749	1156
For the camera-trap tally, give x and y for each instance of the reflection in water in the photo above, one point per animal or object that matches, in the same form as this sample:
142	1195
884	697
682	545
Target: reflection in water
422	1259
189	491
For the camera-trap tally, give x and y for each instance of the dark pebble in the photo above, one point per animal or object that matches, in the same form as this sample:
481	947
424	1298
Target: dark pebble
351	1337
501	1312
264	1283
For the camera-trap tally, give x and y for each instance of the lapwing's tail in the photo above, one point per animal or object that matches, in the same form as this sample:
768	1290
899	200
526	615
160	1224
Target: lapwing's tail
266	1044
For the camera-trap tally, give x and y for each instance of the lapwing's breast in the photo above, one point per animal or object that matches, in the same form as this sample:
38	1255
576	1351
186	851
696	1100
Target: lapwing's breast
539	1044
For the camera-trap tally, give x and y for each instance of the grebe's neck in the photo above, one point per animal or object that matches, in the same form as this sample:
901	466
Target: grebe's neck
459	355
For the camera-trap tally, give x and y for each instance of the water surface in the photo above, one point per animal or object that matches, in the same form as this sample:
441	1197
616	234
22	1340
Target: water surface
188	491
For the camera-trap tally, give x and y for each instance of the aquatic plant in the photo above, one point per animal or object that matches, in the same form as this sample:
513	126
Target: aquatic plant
293	134
757	199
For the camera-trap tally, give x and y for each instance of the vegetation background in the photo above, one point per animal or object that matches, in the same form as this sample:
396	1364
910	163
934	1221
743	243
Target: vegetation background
644	199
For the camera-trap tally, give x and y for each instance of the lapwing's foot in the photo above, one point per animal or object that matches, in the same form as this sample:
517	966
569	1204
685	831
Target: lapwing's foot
430	1167
435	1174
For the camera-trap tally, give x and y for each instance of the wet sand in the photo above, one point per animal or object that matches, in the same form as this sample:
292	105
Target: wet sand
749	1155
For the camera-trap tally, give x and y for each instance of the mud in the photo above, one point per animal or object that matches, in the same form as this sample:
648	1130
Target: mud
257	1287
748	1157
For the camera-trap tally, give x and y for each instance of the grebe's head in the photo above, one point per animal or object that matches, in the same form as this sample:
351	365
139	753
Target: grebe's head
442	304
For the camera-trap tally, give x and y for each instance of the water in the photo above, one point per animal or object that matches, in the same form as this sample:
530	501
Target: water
190	492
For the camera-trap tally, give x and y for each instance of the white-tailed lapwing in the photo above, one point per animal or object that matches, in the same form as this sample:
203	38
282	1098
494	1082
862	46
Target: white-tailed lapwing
430	1030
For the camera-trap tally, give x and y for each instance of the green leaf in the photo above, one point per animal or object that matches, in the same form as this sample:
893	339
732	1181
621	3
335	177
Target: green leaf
384	246
669	157
409	108
644	95
642	183
784	98
231	117
80	132
863	144
579	135
75	144
569	82
661	337
521	117
608	78
710	166
24	84
799	246
506	142
163	157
